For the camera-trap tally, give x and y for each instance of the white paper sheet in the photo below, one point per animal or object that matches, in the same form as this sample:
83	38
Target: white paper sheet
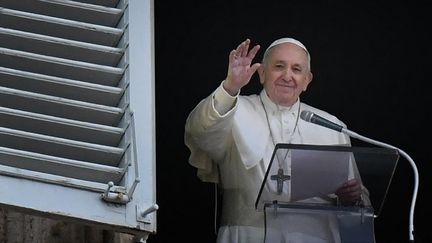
317	173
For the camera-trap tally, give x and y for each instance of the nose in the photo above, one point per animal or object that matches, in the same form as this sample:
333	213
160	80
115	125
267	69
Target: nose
287	74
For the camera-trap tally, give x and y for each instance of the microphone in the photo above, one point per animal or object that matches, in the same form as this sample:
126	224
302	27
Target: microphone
309	116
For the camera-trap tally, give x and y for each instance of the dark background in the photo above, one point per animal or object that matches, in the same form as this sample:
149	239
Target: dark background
371	63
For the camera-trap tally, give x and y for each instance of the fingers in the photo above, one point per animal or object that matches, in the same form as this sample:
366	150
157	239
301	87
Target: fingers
232	56
349	191
253	52
351	183
242	50
350	186
253	68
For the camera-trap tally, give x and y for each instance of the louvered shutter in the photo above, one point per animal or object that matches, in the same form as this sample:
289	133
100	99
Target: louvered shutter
77	112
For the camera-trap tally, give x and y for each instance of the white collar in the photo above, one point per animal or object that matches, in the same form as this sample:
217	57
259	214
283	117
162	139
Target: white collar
271	107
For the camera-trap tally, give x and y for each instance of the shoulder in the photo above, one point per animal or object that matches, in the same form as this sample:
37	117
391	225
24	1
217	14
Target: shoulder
249	109
250	102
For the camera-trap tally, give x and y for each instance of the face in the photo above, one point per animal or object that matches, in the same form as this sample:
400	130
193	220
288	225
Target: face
285	73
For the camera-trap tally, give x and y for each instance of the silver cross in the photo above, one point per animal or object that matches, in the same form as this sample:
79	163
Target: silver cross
280	178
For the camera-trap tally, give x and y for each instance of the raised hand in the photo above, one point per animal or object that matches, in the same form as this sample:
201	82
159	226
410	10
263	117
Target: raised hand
240	69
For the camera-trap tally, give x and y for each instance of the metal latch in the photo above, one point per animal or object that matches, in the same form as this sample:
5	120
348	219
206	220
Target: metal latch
115	194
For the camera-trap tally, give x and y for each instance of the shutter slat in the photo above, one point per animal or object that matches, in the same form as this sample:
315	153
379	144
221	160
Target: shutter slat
58	27
50	178
60	127
60	147
107	3
59	166
71	10
60	107
59	47
60	87
60	67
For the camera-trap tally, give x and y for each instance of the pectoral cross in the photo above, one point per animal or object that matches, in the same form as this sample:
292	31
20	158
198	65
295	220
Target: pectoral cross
280	178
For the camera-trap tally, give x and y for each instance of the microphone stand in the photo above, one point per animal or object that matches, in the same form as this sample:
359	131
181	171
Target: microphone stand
414	167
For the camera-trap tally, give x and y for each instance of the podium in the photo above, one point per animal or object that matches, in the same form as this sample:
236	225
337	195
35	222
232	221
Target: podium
301	180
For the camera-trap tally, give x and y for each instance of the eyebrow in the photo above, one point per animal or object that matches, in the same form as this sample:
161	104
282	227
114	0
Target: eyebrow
295	64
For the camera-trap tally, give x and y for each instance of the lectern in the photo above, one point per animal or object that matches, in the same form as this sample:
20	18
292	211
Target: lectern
302	179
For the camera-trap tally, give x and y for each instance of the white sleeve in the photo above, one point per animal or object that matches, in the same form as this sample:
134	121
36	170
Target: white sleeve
208	132
222	101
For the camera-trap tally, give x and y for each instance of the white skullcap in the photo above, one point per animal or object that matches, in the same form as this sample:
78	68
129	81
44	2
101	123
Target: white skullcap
288	40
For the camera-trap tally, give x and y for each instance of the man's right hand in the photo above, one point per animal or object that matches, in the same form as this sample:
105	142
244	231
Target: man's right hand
240	70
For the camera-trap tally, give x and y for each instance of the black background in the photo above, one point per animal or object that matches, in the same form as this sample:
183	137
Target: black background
371	64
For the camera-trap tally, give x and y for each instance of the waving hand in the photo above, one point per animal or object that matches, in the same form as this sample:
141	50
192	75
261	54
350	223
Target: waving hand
240	68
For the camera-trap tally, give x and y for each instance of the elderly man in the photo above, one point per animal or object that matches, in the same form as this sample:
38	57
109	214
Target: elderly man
231	138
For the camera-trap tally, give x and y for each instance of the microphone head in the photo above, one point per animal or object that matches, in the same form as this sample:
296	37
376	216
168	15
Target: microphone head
309	116
306	115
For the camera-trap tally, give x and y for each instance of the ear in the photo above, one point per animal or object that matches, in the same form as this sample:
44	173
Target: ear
261	73
308	80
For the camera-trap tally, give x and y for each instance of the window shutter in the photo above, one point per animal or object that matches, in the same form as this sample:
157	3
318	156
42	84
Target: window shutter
77	112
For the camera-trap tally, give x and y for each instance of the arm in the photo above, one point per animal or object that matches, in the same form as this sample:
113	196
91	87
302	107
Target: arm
210	123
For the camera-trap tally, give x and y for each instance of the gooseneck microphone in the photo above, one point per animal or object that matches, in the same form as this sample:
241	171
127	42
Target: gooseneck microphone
309	116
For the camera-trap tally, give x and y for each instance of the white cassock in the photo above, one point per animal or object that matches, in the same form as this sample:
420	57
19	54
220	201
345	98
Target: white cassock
231	144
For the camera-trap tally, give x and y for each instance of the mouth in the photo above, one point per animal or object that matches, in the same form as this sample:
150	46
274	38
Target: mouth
286	85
